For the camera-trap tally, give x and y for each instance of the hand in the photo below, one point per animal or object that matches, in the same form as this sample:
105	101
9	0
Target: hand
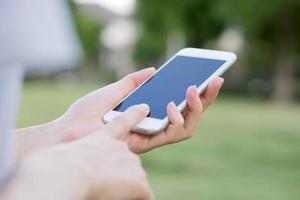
182	125
85	117
82	118
96	167
86	114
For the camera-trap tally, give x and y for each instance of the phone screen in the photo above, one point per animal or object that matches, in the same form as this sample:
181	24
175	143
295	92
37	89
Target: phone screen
171	83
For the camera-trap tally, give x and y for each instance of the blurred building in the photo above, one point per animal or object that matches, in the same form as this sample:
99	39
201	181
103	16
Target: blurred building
118	33
39	35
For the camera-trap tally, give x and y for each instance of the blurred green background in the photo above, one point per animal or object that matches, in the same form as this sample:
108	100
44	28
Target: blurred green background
247	145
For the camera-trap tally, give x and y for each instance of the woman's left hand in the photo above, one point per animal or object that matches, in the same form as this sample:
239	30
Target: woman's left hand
85	115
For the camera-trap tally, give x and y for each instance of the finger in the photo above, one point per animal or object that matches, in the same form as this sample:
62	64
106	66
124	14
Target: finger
120	126
171	134
211	92
174	115
175	128
114	93
123	87
194	109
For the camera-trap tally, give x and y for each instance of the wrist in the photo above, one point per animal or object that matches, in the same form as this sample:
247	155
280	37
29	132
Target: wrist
32	138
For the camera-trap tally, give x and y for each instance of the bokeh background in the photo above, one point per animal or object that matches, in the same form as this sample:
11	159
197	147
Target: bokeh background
247	145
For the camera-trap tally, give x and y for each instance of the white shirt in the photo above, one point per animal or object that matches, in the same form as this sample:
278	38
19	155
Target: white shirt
10	82
38	34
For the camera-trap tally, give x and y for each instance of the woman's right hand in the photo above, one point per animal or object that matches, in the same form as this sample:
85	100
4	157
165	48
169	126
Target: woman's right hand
96	167
115	172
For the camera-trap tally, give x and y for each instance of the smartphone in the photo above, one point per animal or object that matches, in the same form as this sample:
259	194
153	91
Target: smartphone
190	66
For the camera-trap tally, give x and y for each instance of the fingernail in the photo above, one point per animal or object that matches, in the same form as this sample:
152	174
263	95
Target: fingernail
221	80
173	104
195	90
175	110
145	107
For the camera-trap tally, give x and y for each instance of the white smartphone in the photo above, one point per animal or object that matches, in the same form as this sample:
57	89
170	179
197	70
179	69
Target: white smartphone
190	66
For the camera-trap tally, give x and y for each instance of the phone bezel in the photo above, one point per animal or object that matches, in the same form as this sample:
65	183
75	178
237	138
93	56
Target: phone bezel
153	125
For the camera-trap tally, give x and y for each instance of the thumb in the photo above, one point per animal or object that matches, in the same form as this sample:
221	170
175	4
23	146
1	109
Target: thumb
120	126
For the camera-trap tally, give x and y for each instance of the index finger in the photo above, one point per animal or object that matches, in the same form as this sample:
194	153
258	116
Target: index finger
211	92
120	126
114	93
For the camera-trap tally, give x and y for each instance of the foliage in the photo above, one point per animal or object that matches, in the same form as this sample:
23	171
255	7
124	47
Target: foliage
88	30
267	25
271	29
157	18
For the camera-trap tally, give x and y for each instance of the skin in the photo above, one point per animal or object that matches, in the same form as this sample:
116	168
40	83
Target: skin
84	117
97	167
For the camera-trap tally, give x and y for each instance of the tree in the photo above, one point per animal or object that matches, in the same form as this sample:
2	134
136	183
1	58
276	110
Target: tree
272	28
195	18
88	30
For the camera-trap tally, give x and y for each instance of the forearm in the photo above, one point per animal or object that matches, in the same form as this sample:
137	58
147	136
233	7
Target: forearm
32	138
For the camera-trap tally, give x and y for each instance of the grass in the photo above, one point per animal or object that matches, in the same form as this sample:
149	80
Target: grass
242	149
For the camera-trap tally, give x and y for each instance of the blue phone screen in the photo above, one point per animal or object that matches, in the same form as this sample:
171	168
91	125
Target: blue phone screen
171	83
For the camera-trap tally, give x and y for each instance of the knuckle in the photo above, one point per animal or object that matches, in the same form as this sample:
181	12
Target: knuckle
129	78
134	109
140	109
137	109
123	120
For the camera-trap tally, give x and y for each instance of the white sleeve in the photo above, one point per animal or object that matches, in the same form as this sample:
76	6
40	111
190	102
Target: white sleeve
10	81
